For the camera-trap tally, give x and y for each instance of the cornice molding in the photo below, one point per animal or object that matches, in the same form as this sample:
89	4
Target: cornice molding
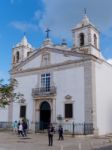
59	66
85	46
87	26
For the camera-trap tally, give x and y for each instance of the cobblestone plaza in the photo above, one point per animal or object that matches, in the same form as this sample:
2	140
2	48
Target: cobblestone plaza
11	141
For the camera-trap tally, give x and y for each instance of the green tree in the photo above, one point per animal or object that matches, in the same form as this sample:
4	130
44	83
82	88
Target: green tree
7	94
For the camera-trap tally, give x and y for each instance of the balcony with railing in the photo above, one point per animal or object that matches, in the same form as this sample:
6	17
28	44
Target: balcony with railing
43	91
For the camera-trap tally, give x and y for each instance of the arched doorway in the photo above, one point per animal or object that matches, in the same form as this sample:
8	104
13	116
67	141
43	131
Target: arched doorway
45	115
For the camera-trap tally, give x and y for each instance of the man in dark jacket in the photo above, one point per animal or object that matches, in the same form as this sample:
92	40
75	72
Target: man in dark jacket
24	123
50	134
60	131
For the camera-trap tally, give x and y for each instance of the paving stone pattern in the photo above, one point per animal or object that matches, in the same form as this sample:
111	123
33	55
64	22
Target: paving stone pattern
11	141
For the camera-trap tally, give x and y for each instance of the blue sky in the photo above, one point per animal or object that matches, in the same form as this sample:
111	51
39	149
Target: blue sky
34	16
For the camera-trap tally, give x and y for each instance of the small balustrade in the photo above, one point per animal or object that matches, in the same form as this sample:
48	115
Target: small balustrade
44	91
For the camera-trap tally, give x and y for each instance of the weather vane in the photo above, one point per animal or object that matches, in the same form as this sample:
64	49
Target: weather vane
85	11
47	33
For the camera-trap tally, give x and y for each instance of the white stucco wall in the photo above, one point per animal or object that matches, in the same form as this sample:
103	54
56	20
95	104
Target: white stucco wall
70	82
104	97
35	63
4	114
26	83
59	58
67	81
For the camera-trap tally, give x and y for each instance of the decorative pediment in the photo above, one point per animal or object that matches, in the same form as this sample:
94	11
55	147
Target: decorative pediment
48	58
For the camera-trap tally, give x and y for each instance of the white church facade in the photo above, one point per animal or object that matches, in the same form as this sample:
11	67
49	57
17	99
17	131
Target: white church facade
57	81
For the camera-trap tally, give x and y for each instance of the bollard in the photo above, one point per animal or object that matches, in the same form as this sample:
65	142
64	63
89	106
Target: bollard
73	126
84	128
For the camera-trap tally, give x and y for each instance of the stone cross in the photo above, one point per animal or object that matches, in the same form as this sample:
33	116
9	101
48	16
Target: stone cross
47	31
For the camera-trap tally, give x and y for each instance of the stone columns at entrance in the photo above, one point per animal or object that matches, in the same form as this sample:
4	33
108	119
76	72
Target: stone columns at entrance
36	109
54	110
33	117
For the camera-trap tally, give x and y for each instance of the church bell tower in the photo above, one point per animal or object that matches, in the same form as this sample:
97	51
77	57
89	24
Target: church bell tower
21	51
86	38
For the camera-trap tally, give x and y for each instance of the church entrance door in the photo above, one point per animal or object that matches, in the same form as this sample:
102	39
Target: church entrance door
45	115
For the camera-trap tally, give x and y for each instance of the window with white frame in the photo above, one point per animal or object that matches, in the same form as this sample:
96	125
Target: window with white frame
46	81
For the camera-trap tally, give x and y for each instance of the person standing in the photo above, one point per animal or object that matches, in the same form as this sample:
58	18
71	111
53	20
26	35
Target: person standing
60	132
20	129
50	134
24	123
15	126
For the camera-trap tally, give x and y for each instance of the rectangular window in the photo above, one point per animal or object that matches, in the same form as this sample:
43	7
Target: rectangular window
45	82
68	110
22	111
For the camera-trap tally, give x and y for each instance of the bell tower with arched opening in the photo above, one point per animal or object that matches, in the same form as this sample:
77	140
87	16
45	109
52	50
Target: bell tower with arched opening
86	38
21	51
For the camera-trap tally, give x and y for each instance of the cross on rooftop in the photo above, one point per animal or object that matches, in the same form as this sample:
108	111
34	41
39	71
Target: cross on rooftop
85	11
47	33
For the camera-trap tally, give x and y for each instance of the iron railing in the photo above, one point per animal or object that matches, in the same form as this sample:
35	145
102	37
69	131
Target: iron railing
43	91
6	125
68	128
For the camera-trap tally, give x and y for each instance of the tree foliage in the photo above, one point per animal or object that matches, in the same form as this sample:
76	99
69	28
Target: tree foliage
7	94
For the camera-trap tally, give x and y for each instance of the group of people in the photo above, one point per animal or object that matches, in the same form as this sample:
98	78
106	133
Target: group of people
51	132
20	128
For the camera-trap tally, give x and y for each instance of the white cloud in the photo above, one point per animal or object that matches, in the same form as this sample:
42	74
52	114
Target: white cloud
109	61
38	15
62	15
24	26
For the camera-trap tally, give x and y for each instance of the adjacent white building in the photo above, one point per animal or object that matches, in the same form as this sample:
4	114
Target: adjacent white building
74	83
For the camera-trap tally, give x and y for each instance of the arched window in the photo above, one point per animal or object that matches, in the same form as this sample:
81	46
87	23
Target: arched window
81	39
17	57
95	40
